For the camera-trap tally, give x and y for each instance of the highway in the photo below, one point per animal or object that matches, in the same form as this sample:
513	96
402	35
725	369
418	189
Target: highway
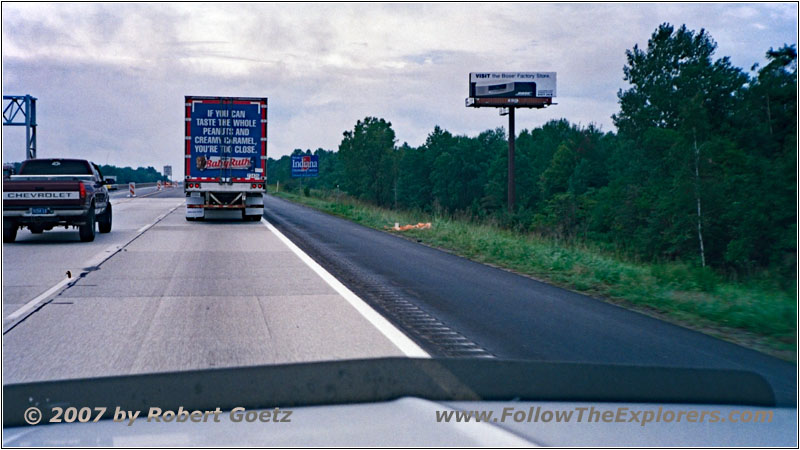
181	295
159	294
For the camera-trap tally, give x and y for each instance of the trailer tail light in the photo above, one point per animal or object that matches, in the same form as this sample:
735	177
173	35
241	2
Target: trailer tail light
253	185
261	186
82	188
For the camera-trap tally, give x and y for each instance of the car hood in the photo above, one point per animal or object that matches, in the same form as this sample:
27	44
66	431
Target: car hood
412	422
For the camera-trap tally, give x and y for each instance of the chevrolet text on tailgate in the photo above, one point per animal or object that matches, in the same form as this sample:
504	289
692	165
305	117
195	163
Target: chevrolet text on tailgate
226	156
56	192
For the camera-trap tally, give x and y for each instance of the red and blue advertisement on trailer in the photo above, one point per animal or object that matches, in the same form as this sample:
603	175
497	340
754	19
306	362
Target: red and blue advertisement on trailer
226	139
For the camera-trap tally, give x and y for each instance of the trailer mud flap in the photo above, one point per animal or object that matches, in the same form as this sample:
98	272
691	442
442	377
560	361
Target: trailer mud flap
194	207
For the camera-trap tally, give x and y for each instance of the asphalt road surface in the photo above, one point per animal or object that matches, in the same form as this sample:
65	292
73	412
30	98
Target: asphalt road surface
179	296
463	308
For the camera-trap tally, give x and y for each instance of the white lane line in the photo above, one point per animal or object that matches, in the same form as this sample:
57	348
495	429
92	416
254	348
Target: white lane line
395	336
27	309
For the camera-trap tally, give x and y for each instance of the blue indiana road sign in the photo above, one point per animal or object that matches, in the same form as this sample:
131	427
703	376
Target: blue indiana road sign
305	166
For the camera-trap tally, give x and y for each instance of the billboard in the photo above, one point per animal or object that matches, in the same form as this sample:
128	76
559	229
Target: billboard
512	84
305	166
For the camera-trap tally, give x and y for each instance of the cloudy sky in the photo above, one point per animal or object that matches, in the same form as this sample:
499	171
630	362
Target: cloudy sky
110	78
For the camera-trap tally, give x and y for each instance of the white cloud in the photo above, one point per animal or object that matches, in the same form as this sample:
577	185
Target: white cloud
110	78
742	12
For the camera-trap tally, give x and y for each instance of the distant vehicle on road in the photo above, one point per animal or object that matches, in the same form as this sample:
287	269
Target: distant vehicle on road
8	170
226	156
111	182
54	192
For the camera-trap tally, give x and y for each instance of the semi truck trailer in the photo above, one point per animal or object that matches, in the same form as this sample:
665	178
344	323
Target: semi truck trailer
226	156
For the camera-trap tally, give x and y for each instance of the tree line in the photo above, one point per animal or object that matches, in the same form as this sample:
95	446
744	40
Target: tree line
702	167
124	175
127	175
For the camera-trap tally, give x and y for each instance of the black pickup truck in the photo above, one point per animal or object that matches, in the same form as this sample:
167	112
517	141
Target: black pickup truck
56	192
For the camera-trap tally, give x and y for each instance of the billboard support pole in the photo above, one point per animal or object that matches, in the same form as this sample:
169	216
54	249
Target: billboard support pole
511	143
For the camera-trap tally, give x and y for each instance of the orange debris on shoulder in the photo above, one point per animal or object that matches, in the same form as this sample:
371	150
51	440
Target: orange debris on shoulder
419	226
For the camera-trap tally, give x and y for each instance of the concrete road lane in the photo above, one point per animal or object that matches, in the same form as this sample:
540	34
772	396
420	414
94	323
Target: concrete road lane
191	295
35	262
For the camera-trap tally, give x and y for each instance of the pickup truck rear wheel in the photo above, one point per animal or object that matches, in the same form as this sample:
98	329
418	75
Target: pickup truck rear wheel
86	231
9	231
104	223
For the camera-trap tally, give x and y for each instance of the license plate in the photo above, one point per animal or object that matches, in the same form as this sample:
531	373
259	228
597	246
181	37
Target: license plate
40	211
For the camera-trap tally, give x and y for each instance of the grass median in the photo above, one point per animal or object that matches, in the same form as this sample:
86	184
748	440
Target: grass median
754	314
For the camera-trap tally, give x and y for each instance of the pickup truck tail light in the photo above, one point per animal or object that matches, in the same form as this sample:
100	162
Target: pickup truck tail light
82	188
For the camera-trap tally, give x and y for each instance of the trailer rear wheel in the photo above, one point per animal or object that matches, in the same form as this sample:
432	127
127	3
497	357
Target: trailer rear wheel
250	218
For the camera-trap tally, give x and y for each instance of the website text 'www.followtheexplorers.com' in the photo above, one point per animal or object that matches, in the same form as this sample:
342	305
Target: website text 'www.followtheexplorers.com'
590	414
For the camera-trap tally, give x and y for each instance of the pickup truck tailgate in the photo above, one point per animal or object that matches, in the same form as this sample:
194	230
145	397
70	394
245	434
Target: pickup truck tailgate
25	194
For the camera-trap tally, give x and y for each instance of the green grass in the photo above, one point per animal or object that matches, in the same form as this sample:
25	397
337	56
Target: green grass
753	314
